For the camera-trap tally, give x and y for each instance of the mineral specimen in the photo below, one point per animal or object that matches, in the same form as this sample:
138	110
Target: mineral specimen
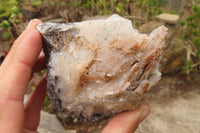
98	68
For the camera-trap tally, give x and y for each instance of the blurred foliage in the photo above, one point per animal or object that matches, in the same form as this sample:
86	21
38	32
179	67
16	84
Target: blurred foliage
106	7
95	7
173	12
47	3
7	35
10	11
144	11
102	7
148	9
5	24
75	120
44	71
191	37
46	101
32	88
46	105
8	7
151	7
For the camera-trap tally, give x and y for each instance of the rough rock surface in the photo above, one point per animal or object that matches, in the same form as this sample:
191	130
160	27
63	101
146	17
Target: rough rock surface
99	68
168	18
147	28
173	57
50	124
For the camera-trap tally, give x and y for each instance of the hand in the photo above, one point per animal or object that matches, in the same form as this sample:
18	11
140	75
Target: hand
24	59
15	73
127	122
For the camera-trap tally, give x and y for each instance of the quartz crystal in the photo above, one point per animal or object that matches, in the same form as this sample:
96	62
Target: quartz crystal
98	68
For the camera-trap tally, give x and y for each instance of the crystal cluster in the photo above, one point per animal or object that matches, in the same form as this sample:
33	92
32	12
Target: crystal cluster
98	68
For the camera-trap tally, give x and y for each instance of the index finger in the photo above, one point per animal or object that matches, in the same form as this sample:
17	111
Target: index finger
17	67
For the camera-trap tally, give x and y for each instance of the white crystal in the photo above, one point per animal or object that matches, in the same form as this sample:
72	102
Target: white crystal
99	66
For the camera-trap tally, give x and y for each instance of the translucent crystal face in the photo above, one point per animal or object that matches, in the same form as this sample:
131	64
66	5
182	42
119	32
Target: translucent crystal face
99	66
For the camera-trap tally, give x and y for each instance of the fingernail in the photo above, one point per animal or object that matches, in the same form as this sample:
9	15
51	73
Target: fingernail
33	23
29	23
41	54
145	110
143	115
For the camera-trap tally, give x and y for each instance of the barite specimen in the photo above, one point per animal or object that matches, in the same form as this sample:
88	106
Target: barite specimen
98	68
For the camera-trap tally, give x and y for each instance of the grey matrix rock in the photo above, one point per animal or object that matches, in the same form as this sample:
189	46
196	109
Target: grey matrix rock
98	68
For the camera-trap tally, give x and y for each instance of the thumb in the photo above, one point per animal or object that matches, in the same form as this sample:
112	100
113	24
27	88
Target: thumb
127	122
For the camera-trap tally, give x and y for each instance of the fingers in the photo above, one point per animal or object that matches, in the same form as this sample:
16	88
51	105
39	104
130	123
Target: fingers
17	67
127	122
34	105
28	131
11	115
31	25
40	64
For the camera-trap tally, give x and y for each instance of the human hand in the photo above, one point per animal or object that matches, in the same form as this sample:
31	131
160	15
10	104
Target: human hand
15	72
127	122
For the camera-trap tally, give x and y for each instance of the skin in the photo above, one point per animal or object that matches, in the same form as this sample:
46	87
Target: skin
23	60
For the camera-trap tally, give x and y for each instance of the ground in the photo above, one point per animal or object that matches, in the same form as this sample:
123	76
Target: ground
174	106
